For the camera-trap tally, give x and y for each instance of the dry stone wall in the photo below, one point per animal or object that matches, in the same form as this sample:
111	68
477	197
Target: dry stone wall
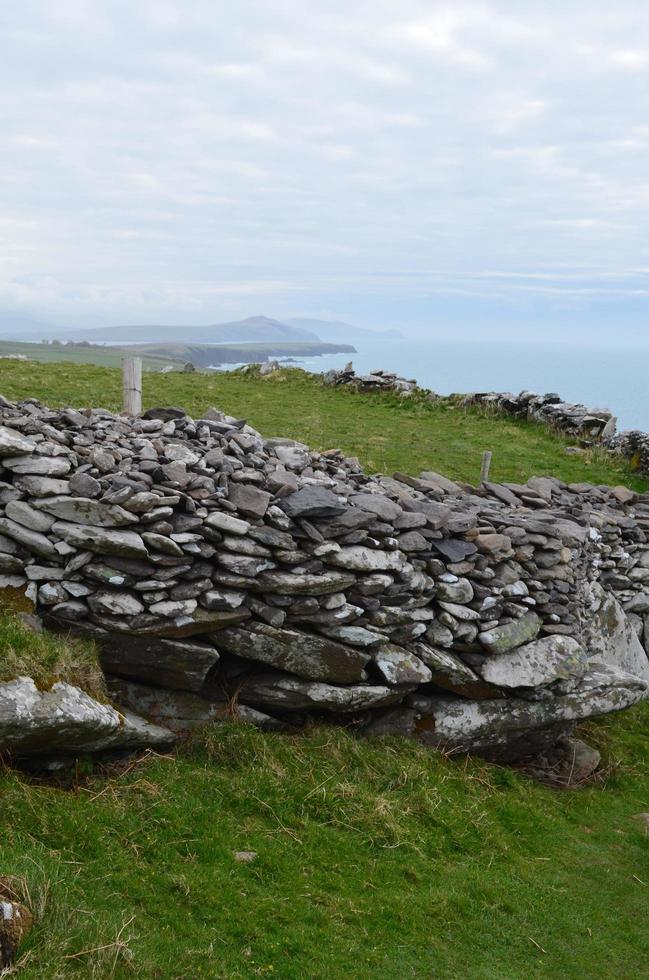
226	574
587	425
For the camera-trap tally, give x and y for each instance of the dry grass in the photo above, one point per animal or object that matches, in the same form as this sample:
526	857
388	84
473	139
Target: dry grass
48	658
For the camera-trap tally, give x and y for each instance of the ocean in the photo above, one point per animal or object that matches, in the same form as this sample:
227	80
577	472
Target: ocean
599	377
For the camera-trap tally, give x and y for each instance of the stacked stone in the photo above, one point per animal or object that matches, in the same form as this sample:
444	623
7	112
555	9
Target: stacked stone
574	419
223	573
385	381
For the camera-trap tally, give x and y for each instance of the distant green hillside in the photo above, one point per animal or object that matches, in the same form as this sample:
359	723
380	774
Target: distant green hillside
207	355
155	357
82	354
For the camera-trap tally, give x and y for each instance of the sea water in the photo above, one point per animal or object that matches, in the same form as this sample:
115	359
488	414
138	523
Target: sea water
599	377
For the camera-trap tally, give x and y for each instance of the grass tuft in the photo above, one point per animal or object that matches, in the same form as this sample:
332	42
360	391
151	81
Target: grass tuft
47	658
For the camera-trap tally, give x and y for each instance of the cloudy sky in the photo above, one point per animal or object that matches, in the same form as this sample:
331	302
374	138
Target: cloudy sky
388	162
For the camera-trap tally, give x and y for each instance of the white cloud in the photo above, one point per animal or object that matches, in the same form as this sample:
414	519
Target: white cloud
165	155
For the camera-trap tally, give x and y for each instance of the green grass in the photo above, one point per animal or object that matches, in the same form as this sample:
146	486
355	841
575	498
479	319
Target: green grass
376	858
386	433
47	657
108	357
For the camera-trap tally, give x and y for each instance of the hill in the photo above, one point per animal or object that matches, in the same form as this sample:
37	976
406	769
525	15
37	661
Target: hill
339	330
170	355
211	355
253	329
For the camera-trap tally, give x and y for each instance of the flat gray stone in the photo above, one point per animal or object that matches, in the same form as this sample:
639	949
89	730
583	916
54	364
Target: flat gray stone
537	664
609	635
286	583
282	691
312	502
308	656
115	604
102	541
375	503
38	465
357	558
460	591
399	666
511	728
81	510
227	523
511	635
12	443
249	500
66	719
34	541
41	486
176	664
23	513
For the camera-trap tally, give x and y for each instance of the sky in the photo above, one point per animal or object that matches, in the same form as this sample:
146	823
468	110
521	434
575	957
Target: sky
429	166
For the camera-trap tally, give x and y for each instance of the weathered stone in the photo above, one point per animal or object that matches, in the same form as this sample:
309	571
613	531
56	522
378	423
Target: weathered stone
115	604
80	510
511	635
378	504
449	672
360	559
41	486
37	465
174	664
227	523
453	549
311	502
222	599
198	622
177	710
492	543
102	541
399	666
84	485
282	691
244	564
356	636
32	540
159	542
66	719
511	728
249	500
459	611
14	444
288	583
23	513
459	591
311	657
574	760
536	664
174	610
610	638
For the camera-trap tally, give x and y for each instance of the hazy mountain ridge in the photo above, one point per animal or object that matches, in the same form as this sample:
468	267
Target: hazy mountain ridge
339	330
254	329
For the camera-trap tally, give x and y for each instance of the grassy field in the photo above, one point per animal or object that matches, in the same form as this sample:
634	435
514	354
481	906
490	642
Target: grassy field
108	357
374	858
386	433
160	355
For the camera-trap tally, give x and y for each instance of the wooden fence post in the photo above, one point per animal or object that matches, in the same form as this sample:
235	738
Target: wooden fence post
484	469
132	385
